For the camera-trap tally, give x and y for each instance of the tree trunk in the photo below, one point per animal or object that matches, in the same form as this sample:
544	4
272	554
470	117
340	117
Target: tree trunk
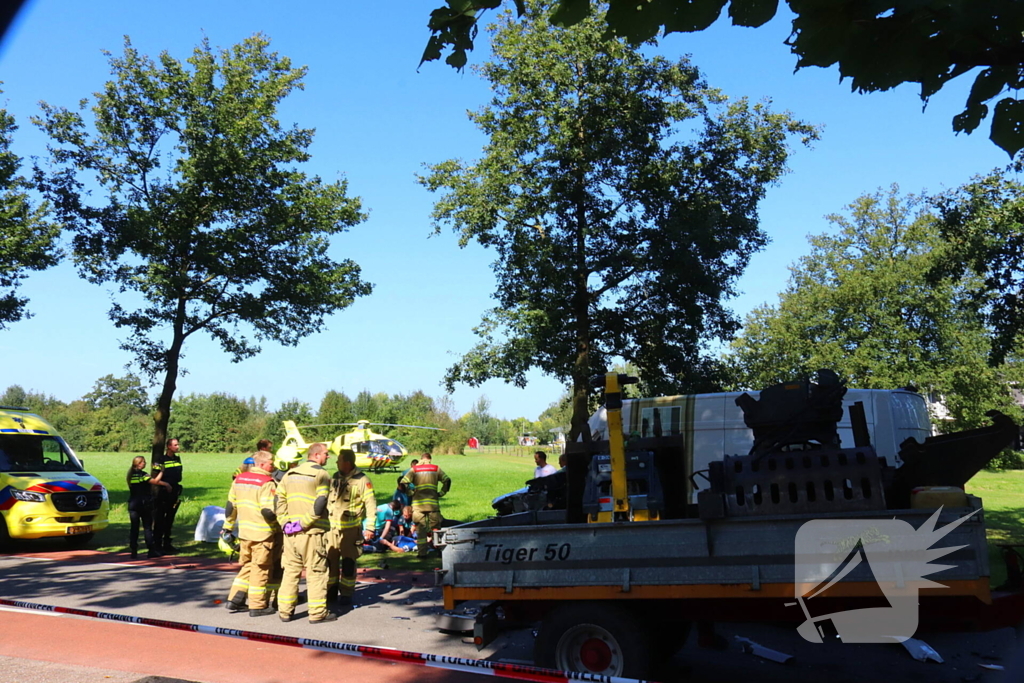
162	415
581	316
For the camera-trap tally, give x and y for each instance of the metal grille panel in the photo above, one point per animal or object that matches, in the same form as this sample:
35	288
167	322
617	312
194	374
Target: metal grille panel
71	501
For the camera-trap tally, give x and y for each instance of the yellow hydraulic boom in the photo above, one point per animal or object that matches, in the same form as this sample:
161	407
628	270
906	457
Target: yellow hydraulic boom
620	512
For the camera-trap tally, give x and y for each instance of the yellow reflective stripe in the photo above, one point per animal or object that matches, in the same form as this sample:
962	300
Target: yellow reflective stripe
354	524
301	497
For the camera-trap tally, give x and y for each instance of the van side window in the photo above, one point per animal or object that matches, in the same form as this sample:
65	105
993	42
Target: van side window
671	418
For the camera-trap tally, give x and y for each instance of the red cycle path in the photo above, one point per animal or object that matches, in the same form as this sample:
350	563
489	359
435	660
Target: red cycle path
193	656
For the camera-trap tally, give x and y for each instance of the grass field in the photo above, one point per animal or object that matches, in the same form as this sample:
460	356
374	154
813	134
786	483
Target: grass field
477	479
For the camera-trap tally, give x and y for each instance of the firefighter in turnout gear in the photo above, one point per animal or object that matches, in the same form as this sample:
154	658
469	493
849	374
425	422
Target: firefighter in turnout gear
302	509
251	503
353	511
426	510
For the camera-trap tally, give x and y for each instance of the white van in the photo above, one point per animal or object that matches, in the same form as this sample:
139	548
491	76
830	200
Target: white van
715	426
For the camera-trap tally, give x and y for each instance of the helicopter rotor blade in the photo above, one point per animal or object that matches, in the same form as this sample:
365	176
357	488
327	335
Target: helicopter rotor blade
373	424
388	424
331	424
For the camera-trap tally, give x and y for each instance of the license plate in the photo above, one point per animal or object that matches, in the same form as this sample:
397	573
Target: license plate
75	530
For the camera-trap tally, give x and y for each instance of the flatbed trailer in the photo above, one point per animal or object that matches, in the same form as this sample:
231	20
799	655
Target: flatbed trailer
614	597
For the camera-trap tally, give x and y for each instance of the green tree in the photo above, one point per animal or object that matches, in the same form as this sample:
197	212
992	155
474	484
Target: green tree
615	237
556	416
454	437
373	407
295	410
217	423
415	410
207	221
877	45
114	392
335	408
118	415
27	239
861	303
983	222
15	395
480	423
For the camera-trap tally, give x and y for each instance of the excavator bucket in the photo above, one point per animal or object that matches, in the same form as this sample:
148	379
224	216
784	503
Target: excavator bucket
952	459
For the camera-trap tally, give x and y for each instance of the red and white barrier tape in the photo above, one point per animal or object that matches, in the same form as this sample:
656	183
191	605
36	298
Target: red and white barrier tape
387	654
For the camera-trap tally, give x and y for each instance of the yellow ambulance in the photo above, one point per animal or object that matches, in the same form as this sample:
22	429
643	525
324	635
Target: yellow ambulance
44	490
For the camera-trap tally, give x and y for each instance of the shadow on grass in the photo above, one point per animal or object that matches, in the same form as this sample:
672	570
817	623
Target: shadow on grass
1004	526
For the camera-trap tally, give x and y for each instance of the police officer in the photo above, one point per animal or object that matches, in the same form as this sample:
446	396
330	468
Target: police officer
426	510
353	511
302	508
167	500
251	503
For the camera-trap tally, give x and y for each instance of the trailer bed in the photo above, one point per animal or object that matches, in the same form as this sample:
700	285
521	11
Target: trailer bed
536	556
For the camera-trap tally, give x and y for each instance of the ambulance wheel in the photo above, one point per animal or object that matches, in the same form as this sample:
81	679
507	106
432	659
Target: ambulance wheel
80	540
593	638
5	536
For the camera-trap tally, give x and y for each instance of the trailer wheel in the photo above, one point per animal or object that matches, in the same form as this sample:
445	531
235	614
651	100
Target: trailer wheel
593	638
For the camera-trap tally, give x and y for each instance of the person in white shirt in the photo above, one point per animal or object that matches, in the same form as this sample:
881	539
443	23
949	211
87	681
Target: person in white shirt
543	469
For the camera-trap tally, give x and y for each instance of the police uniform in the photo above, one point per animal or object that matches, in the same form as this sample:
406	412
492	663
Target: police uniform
140	509
302	497
353	508
251	503
166	501
426	510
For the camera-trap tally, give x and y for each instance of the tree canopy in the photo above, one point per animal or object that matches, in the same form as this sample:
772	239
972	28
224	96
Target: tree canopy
983	222
27	238
864	304
620	195
205	223
877	45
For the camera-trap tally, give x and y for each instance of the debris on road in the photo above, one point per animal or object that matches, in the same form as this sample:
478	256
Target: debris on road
921	651
757	650
992	667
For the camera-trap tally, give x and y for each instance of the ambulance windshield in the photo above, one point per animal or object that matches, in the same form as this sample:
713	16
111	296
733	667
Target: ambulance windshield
34	453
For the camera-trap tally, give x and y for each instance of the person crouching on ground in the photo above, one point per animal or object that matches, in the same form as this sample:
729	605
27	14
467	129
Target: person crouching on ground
251	503
385	530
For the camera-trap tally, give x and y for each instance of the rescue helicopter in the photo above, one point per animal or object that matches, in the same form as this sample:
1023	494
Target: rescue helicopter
374	452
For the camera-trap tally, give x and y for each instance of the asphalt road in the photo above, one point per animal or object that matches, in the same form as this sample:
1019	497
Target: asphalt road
396	610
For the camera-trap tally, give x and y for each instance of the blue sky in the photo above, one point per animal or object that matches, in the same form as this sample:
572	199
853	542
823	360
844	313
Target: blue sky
378	119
